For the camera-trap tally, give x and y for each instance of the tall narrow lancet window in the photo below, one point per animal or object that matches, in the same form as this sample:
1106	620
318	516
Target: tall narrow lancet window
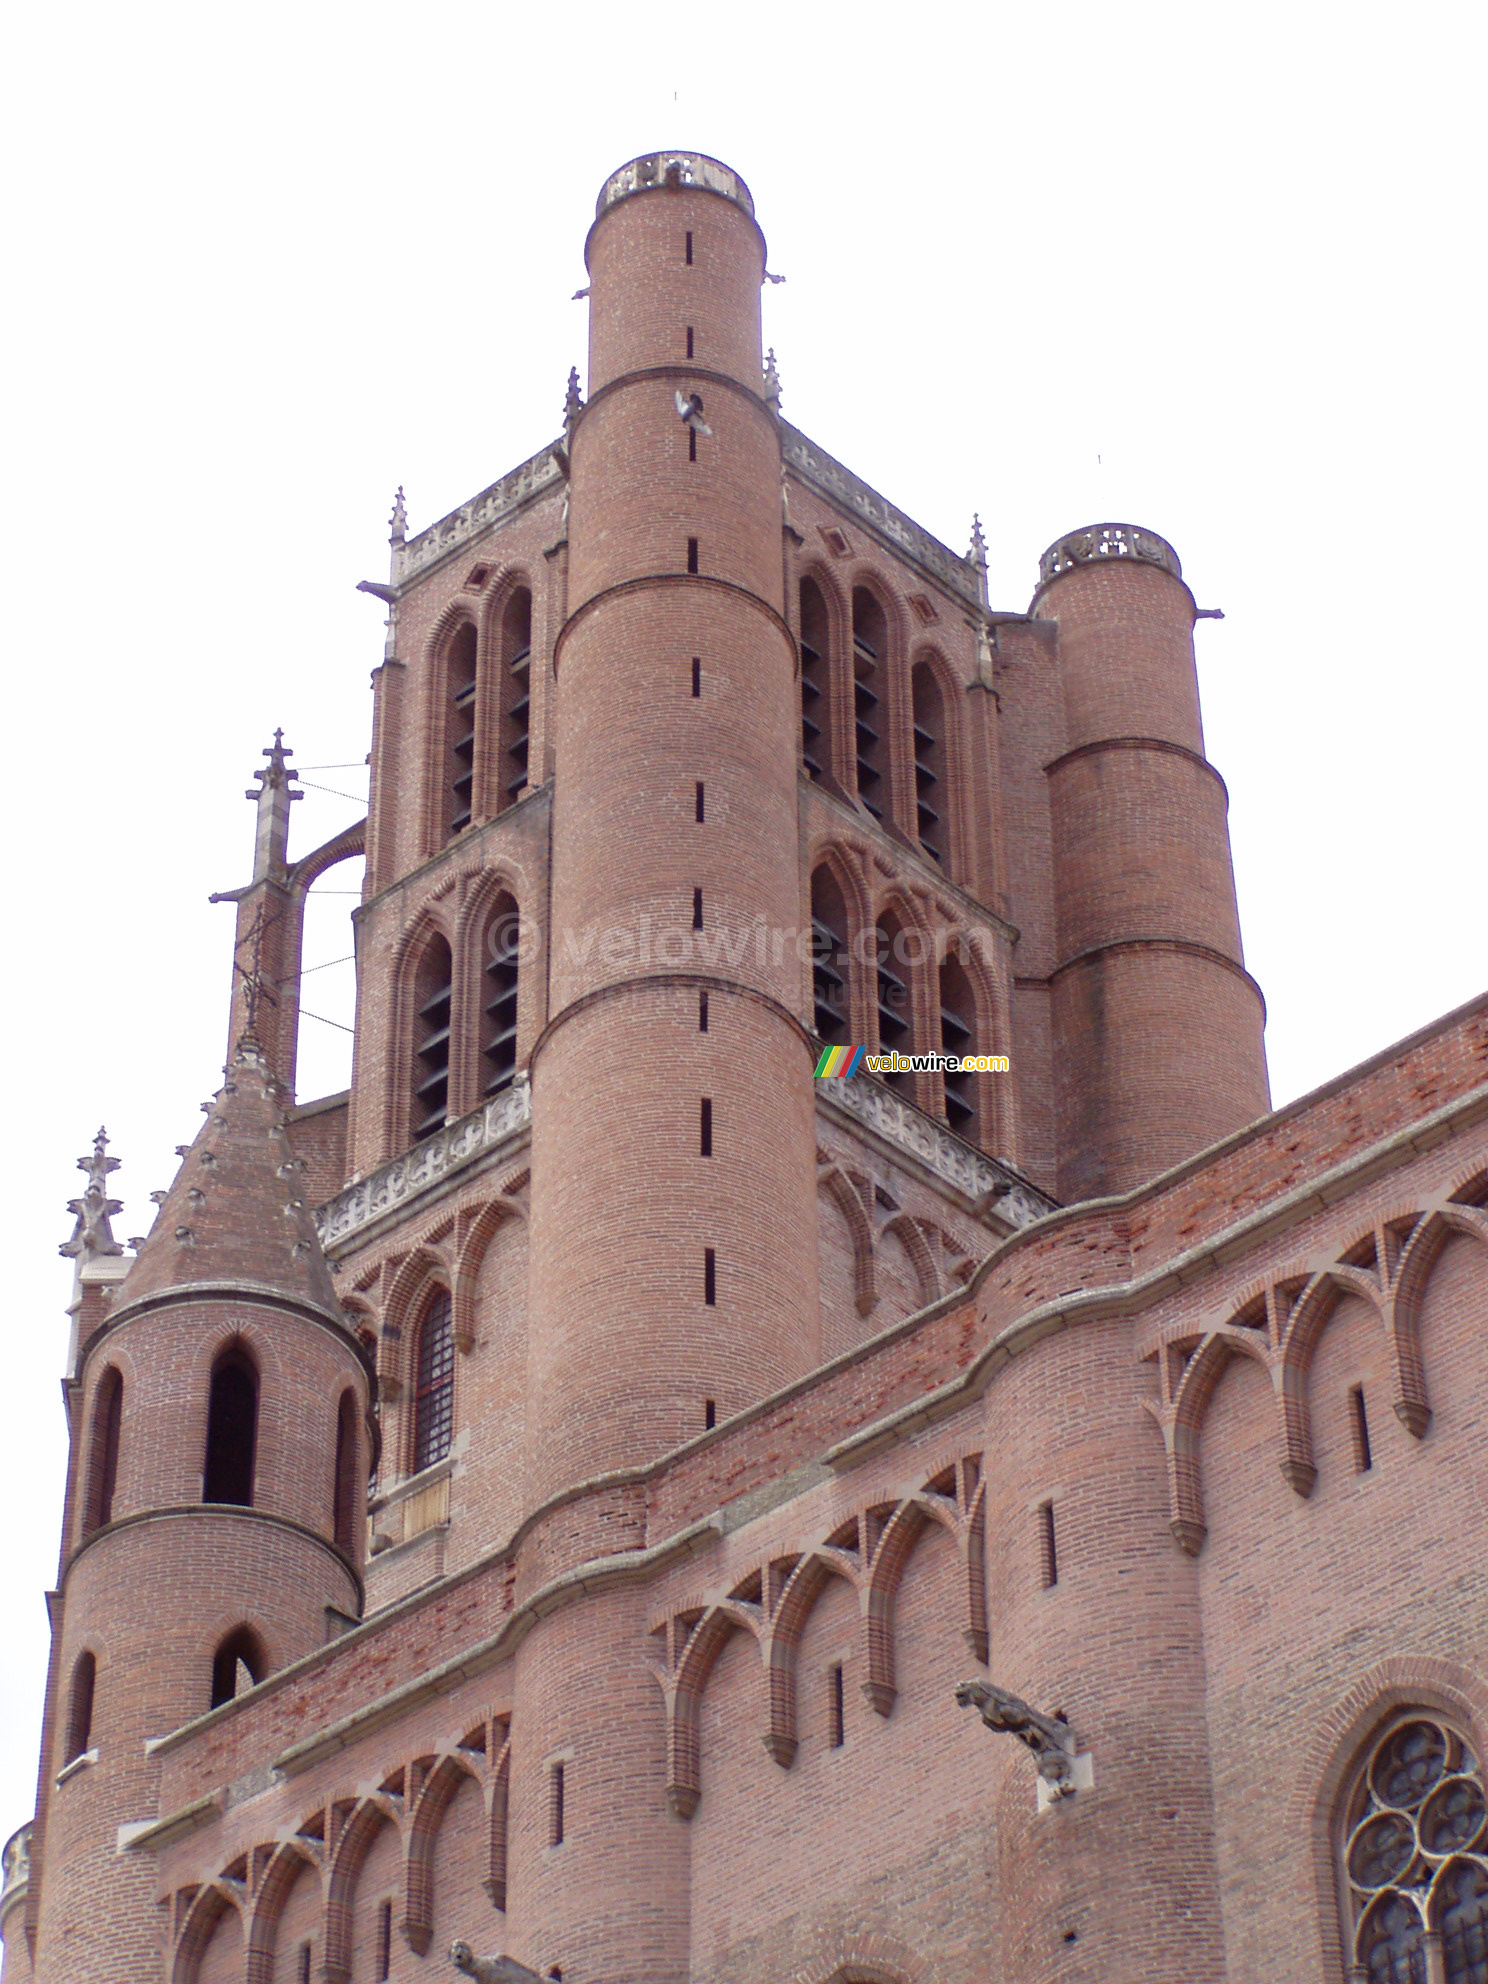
103	1458
346	1512
80	1708
870	644
1414	1857
434	1387
516	704
232	1430
816	700
958	1036
931	794
460	726
499	997
432	992
894	960
830	977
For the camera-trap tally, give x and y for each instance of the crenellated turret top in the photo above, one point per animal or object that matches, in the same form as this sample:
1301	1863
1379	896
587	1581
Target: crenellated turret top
672	171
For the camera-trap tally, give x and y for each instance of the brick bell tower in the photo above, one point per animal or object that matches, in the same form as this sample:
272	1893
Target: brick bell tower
674	1207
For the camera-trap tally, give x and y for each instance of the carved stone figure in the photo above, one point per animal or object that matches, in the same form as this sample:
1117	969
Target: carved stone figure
1049	1737
491	1969
92	1235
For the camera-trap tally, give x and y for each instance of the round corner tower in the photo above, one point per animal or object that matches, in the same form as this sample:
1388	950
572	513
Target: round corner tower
1157	1025
221	1444
674	1238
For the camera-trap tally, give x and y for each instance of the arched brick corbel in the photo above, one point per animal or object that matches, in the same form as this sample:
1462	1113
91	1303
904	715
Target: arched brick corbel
284	1868
494	1882
1299	1339
802	1589
443	1781
366	1820
834	1182
684	1694
1411	1402
212	1902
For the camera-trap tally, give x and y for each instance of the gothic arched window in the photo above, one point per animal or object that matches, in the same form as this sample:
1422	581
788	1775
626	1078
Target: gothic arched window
237	1665
345	1511
958	1036
459	728
80	1708
433	987
434	1388
932	783
103	1456
898	952
870	654
830	971
816	677
501	950
516	682
232	1430
1414	1858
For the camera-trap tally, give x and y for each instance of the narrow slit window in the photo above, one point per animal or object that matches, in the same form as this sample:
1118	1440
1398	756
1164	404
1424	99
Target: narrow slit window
692	554
460	667
697	675
870	646
555	1805
710	1278
702	1012
232	1430
1359	1431
80	1709
689	248
700	802
692	457
1048	1556
710	1414
384	1942
304	1971
834	1706
689	340
706	1127
697	909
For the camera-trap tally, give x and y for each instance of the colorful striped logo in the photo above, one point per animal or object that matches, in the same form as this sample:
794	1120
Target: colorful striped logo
840	1060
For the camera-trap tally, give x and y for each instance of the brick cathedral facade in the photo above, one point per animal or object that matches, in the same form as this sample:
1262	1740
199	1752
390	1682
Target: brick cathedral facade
954	1527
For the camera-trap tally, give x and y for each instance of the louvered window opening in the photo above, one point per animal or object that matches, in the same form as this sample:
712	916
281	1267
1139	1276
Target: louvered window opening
868	650
929	758
462	685
431	1074
499	1000
829	962
1415	1858
956	1037
516	694
815	704
434	1396
893	1000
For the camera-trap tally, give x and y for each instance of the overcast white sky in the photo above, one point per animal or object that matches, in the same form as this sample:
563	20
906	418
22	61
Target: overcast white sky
1210	269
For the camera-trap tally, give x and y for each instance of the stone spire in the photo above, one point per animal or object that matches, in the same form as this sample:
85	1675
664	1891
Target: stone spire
234	1219
92	1236
573	400
976	557
398	521
273	798
772	380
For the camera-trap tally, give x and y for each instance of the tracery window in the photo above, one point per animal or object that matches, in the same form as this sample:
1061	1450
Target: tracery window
434	1392
1415	1859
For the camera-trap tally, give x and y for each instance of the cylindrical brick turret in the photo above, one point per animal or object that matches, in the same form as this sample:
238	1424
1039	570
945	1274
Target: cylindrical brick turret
223	1436
1157	1025
673	1221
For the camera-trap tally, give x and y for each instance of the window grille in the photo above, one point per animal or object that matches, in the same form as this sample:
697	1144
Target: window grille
1414	1858
434	1397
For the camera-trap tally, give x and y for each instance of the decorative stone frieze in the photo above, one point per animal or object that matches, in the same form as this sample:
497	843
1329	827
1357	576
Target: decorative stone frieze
918	1136
542	472
451	1149
818	469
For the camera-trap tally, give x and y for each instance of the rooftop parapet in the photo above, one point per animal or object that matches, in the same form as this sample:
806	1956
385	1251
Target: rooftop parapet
664	171
1100	541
